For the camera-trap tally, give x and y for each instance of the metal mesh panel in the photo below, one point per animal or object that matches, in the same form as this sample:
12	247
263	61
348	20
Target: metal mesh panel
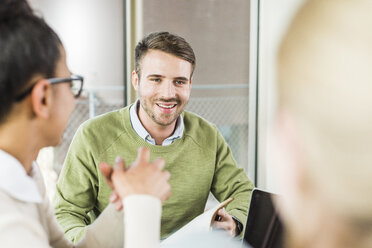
80	114
104	107
83	111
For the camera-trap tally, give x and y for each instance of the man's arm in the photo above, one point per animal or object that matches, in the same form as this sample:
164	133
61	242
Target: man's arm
230	181
76	189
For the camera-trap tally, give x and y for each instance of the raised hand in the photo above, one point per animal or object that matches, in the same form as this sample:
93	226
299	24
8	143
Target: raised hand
142	177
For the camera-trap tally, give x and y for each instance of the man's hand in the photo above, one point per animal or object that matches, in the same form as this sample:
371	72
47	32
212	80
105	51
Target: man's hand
226	222
142	177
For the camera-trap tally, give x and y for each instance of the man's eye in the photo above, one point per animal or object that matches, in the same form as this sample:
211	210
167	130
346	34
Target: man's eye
155	80
180	82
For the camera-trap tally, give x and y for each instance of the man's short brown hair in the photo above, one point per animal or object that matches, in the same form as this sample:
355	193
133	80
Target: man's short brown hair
165	42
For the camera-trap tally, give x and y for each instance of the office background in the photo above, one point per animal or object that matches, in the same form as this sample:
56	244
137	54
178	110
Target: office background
235	42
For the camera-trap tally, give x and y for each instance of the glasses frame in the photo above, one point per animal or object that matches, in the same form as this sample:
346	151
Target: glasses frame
54	81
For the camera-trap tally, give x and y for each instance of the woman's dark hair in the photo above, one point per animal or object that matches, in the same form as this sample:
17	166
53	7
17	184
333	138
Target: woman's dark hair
28	47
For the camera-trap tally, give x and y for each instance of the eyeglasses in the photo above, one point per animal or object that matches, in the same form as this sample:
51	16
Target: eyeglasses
76	86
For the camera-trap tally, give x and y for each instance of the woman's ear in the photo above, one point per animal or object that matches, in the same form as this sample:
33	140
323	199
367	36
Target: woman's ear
41	97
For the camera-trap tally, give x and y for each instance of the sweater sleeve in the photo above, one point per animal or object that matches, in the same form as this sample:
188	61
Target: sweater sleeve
76	188
231	181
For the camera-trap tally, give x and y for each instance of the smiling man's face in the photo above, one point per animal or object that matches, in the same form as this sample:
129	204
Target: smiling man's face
163	88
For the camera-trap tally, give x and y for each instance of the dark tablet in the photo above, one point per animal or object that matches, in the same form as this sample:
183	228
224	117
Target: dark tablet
263	228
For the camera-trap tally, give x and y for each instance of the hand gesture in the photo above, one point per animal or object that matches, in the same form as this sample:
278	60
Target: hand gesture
142	177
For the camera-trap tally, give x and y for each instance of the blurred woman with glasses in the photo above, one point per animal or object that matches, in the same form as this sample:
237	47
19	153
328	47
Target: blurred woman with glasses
37	97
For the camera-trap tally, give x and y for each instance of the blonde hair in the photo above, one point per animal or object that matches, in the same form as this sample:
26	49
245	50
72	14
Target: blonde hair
325	81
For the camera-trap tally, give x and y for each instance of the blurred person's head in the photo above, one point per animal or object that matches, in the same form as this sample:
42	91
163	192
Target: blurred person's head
30	54
324	125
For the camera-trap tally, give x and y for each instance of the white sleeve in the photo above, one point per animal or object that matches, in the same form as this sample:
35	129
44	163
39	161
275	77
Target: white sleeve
18	230
106	231
142	214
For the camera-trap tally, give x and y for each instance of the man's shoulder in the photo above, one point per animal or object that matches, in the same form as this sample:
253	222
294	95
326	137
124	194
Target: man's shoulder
112	118
199	129
105	124
195	121
99	132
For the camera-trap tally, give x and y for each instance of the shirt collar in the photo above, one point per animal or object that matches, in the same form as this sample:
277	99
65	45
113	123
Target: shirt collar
15	181
142	132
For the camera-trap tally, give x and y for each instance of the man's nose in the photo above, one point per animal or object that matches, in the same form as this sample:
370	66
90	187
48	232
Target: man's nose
168	90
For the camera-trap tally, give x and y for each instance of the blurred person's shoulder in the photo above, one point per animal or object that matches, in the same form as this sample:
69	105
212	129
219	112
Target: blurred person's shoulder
13	208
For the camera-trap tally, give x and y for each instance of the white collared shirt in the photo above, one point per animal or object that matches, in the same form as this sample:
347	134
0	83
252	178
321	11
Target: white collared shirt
15	181
142	132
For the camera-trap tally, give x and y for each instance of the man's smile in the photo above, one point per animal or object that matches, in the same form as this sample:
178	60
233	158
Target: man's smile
167	106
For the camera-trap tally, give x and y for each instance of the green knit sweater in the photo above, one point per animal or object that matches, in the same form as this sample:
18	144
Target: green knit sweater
199	162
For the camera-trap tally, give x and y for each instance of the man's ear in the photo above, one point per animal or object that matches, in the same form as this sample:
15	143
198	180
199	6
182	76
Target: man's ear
41	97
135	80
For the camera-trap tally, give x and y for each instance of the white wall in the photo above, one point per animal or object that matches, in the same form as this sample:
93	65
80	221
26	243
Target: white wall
274	19
92	32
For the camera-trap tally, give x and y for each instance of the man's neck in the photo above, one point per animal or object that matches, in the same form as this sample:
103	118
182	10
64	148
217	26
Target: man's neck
158	132
162	133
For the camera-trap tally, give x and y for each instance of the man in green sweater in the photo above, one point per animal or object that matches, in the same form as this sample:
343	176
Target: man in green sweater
195	152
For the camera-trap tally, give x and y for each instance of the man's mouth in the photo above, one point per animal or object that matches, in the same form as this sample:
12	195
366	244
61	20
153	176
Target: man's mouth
166	106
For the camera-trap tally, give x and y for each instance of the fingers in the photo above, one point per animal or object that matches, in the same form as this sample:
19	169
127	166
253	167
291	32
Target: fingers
118	205
159	163
105	169
166	175
223	214
119	164
143	156
115	199
221	225
107	172
142	177
166	192
118	178
225	225
225	222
